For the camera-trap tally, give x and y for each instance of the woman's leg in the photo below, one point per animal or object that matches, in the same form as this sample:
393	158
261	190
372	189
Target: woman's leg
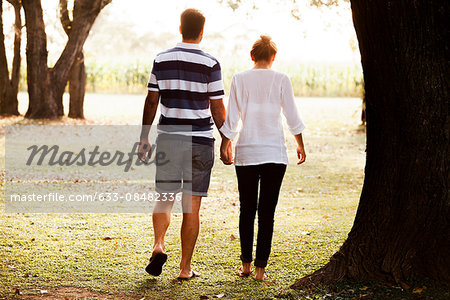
248	178
271	179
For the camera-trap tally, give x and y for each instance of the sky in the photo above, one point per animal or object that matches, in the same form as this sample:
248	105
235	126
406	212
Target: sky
322	35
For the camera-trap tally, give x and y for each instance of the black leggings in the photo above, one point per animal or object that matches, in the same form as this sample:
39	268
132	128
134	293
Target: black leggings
269	177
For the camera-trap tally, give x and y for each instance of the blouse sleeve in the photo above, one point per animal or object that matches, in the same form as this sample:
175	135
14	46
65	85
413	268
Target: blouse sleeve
295	124
229	127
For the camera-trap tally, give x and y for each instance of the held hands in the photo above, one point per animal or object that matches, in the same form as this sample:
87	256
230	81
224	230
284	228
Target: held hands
144	148
226	152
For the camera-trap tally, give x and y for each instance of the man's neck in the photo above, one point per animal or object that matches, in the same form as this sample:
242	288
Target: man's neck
197	41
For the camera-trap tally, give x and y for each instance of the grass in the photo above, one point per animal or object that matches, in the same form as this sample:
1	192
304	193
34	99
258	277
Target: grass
102	256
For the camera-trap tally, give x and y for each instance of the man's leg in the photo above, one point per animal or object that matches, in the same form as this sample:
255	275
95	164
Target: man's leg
189	232
161	222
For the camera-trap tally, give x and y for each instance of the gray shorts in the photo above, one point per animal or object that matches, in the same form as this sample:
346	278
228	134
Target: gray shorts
188	167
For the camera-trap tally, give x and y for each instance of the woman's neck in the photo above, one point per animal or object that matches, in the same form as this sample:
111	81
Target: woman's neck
262	65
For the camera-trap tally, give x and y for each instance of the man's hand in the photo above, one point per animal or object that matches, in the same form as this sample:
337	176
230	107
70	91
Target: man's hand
144	148
226	152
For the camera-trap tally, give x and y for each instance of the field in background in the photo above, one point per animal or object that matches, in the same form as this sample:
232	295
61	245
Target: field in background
308	80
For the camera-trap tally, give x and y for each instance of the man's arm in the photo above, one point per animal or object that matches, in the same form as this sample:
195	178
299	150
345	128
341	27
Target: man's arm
218	112
150	107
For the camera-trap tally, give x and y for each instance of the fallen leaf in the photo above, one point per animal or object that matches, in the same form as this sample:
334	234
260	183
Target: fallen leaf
232	237
404	285
107	238
419	290
364	288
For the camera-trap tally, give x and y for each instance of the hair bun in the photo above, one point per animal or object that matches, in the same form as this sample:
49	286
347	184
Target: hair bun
265	38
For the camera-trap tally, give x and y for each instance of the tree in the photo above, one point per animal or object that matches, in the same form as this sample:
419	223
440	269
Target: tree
77	77
9	86
46	85
402	222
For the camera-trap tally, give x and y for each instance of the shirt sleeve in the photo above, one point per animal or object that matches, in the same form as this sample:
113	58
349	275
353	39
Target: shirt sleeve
229	127
153	81
215	84
295	124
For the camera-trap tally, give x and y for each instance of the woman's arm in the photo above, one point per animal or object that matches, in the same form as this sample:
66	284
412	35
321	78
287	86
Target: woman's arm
294	122
229	128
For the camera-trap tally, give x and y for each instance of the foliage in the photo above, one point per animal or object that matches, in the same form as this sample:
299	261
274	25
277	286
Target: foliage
308	80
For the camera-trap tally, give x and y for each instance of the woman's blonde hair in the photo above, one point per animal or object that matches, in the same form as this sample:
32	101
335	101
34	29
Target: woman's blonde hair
263	49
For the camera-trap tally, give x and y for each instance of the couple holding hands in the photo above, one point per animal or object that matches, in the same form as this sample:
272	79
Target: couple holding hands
186	83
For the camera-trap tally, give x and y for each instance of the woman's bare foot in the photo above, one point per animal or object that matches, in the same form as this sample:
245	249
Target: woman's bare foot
260	274
245	270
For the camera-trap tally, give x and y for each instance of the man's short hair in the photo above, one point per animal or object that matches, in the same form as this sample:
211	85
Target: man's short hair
192	23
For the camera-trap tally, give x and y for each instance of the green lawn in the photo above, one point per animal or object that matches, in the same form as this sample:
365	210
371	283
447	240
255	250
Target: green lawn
99	256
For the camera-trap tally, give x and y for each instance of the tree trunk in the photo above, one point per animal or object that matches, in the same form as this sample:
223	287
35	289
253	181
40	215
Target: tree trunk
402	223
41	103
77	79
77	88
10	87
53	81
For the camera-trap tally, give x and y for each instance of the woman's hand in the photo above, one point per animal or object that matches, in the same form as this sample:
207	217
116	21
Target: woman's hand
226	151
301	154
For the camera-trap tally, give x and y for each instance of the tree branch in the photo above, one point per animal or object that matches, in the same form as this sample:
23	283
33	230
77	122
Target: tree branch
64	16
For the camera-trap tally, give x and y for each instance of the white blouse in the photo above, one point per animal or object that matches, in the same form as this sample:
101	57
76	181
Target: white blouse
257	97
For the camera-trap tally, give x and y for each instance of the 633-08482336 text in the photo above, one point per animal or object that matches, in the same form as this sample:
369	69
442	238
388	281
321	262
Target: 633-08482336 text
101	197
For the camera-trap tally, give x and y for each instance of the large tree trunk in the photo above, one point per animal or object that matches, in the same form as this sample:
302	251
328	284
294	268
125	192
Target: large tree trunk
41	104
77	79
402	223
10	87
77	88
53	81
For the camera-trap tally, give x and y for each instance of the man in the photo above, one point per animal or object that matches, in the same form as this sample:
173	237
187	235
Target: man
188	83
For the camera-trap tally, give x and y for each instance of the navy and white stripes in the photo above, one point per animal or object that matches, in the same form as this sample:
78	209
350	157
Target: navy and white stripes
187	79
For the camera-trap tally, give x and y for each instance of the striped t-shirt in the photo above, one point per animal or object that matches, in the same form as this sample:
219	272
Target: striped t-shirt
187	79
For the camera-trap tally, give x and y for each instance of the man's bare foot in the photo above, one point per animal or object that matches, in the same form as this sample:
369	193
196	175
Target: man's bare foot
260	274
158	249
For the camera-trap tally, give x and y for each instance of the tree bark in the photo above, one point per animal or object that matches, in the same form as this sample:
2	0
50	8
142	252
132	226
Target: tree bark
53	81
41	103
77	88
402	222
10	87
77	78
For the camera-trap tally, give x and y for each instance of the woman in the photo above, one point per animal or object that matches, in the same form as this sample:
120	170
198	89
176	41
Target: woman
257	98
